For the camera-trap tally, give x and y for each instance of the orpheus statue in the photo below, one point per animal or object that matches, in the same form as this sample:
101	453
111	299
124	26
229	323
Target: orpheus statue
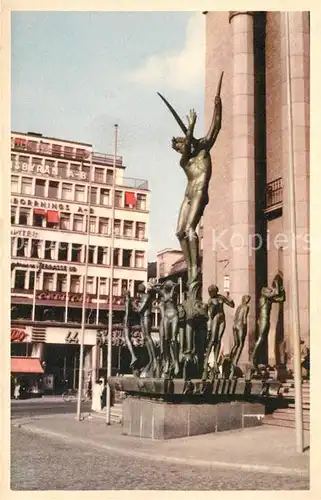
168	327
196	163
145	311
239	330
127	325
267	298
216	325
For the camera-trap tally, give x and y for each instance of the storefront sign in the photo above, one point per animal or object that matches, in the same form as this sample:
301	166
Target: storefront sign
40	265
50	171
18	333
61	296
24	233
49	205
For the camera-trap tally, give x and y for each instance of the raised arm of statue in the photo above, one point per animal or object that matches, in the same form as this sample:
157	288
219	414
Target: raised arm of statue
229	302
216	123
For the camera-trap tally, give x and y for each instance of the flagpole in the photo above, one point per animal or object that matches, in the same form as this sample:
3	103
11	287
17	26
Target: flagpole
98	300
67	295
293	256
84	298
111	260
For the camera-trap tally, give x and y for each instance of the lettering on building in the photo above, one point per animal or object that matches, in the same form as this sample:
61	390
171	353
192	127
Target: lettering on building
61	296
18	333
50	205
72	338
39	266
50	171
24	233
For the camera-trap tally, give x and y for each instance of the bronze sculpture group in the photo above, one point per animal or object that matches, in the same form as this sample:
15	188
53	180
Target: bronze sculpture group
191	331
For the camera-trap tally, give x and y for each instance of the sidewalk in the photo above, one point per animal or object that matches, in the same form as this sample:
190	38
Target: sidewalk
261	449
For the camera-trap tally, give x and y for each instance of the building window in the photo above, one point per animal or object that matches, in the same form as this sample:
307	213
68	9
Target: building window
104	197
124	286
44	147
76	252
117	227
26	185
22	246
50	164
64	221
86	170
32	280
53	189
50	250
63	251
91	255
48	281
102	255
99	174
56	149
110	176
80	154
62	169
136	285
116	253
75	284
90	284
80	193
66	193
115	287
103	225
61	283
127	255
141	202
139	258
32	146
140	230
128	228
40	187
118	199
20	279
93	195
102	283
78	223
24	216
13	214
14	183
68	152
92	224
38	217
35	246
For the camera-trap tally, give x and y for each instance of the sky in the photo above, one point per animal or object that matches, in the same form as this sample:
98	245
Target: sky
75	74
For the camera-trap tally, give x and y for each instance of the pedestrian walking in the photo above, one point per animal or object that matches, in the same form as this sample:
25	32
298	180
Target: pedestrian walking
96	396
17	387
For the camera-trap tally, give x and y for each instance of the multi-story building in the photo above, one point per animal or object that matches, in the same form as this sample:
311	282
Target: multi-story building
246	231
51	182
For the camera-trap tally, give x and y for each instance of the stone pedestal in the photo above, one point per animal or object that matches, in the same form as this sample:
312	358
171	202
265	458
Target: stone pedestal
143	417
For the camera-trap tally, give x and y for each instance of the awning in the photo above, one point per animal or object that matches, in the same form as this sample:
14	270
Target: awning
53	216
130	198
22	364
39	211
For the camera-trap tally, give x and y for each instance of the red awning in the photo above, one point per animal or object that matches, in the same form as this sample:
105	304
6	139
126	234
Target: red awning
130	198
39	211
53	216
22	364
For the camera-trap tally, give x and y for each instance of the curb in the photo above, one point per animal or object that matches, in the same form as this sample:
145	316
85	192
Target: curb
164	458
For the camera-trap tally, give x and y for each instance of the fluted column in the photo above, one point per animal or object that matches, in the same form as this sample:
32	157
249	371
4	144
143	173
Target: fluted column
242	186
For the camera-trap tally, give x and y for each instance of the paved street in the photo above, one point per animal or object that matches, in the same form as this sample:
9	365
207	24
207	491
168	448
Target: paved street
44	406
47	463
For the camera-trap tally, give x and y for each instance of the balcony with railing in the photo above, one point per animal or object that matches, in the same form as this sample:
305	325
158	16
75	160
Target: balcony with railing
274	195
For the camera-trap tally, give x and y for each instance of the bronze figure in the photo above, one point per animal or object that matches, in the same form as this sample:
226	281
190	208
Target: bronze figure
216	325
127	325
267	298
145	312
196	162
168	326
239	330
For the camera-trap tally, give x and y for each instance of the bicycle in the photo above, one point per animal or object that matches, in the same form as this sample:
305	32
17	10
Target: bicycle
71	396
